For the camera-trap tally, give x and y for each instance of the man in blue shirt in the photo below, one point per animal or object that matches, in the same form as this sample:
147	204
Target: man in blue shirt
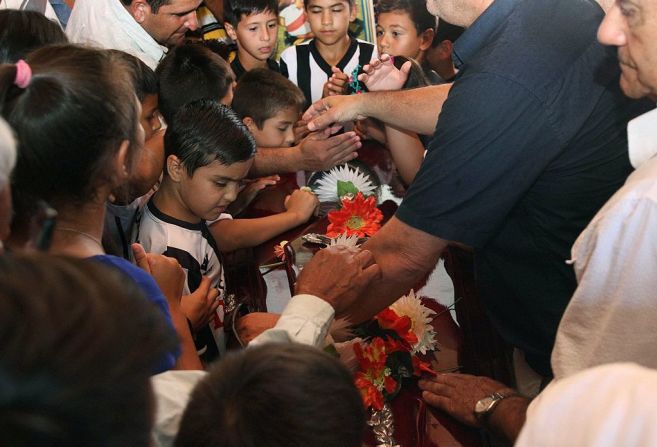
530	143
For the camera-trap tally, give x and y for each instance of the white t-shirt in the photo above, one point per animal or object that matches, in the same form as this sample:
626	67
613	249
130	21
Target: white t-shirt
303	65
22	4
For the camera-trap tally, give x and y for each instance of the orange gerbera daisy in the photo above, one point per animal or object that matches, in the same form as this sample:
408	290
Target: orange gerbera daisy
358	216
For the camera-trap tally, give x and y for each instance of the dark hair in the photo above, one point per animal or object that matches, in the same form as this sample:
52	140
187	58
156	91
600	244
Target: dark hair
261	93
204	131
446	31
69	121
274	395
416	9
416	77
24	31
189	73
143	77
235	9
78	344
154	4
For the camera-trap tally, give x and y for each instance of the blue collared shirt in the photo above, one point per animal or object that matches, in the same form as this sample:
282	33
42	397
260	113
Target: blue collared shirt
529	145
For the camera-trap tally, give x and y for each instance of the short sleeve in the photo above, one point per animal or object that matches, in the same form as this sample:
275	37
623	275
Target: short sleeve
492	141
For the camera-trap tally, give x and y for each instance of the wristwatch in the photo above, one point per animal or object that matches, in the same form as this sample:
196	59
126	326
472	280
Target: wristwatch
485	406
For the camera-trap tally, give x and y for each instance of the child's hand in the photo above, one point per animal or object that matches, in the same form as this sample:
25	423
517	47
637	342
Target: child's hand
251	325
302	204
251	190
336	84
300	130
200	306
381	74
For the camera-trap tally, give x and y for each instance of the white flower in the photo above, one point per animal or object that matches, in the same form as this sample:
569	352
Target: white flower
344	240
411	306
327	187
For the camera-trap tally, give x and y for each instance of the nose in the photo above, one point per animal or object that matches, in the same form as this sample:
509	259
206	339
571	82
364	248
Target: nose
327	18
383	43
264	34
191	21
231	192
612	28
289	136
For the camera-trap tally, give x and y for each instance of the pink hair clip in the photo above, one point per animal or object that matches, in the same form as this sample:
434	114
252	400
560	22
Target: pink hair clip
23	74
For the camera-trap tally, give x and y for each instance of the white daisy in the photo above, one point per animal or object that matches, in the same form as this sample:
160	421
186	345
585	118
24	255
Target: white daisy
344	240
421	316
327	187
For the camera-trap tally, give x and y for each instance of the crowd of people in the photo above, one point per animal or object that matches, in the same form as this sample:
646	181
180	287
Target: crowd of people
132	141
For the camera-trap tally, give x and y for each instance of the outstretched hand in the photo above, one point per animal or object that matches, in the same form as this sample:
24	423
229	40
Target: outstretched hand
333	111
320	151
381	74
338	275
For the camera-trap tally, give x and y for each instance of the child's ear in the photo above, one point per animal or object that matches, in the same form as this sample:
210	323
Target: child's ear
139	10
175	168
426	37
446	47
250	124
230	31
353	12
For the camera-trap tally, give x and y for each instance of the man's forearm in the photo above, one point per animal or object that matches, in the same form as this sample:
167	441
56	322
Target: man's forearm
405	256
416	110
508	417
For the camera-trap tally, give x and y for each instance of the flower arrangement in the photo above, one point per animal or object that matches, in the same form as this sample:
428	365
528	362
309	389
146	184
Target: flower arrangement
358	216
343	181
387	350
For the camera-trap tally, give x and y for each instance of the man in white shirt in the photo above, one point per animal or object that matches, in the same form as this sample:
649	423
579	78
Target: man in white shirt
143	28
613	313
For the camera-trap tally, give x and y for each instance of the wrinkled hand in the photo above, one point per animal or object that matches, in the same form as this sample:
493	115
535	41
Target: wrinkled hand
338	275
200	306
381	74
251	325
302	204
320	151
333	111
166	271
457	394
300	130
336	84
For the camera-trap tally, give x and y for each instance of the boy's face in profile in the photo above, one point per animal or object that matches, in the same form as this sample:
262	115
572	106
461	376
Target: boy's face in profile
211	188
277	131
255	35
396	35
329	19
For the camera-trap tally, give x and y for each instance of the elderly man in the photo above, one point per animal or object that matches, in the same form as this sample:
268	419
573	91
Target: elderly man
143	28
613	314
529	145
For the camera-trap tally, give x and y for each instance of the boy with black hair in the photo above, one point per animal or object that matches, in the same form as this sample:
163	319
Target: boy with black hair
406	28
192	72
274	395
253	26
324	65
208	153
270	105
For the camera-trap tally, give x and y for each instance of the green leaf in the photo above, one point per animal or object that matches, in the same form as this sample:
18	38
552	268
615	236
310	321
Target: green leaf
345	188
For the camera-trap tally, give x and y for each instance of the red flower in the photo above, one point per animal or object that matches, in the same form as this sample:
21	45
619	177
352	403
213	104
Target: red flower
419	367
373	378
279	250
388	319
358	216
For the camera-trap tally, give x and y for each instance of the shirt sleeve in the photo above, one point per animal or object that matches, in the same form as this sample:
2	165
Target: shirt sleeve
306	319
493	140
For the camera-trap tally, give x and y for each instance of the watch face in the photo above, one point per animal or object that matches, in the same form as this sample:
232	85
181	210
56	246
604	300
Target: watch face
483	405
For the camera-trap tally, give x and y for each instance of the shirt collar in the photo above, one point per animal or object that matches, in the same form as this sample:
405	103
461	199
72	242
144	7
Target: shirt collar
478	34
642	138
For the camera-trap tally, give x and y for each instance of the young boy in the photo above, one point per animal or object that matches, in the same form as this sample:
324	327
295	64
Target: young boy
192	72
270	105
406	28
253	26
439	55
323	66
208	153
